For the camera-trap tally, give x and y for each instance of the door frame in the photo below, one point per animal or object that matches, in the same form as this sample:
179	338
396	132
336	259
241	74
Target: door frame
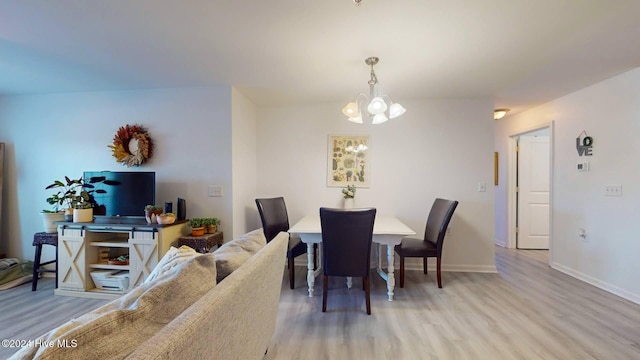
512	166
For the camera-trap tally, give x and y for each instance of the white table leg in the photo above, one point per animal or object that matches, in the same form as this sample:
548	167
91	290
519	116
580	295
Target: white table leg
311	276
391	279
349	282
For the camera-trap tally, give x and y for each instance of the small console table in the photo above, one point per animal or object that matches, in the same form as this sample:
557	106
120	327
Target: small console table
80	246
202	244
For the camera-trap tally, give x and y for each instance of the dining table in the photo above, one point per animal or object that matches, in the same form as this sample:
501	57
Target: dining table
387	230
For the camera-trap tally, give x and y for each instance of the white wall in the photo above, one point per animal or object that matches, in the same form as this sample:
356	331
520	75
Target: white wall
50	136
244	116
610	113
439	148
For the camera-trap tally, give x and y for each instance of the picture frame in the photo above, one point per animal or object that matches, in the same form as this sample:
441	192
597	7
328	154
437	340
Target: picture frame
348	160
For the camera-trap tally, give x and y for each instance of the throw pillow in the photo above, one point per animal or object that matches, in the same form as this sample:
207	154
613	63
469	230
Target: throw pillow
174	257
114	330
233	254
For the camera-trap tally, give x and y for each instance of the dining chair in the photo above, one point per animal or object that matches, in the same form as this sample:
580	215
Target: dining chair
431	246
274	217
346	247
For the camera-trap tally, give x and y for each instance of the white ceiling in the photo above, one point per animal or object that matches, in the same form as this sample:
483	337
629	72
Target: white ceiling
519	52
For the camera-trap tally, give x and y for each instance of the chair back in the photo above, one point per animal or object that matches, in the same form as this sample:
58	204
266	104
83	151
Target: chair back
274	217
438	221
346	241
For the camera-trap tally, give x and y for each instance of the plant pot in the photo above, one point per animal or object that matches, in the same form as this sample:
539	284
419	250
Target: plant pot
152	216
198	231
49	218
68	214
211	229
348	203
83	215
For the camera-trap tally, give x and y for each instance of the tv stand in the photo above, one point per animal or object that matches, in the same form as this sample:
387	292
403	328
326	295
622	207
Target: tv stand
79	246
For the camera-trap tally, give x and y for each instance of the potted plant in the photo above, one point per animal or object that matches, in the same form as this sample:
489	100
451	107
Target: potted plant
67	189
82	207
197	229
151	213
349	194
49	217
211	225
74	194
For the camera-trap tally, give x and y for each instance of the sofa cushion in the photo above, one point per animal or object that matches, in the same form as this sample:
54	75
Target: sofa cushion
233	254
173	258
114	330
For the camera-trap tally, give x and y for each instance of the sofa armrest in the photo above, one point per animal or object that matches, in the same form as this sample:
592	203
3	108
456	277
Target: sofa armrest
235	320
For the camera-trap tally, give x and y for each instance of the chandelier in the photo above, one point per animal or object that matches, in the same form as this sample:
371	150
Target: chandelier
379	106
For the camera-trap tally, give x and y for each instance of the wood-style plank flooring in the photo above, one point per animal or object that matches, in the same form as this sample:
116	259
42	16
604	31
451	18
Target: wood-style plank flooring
527	311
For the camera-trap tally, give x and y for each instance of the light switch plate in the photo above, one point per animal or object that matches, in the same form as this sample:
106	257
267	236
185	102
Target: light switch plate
482	187
215	190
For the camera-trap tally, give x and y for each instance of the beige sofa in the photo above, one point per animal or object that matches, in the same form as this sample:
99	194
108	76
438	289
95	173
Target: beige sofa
234	319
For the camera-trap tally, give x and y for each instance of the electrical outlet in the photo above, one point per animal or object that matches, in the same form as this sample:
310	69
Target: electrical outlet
613	190
215	190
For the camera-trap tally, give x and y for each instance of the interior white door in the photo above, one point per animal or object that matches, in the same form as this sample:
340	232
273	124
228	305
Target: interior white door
533	192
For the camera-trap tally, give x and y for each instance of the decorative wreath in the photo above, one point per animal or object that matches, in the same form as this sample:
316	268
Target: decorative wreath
132	145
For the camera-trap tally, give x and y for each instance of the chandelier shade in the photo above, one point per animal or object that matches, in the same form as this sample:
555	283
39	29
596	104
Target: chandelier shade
379	107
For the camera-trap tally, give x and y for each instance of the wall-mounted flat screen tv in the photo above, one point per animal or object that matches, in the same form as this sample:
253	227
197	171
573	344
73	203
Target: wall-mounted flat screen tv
126	193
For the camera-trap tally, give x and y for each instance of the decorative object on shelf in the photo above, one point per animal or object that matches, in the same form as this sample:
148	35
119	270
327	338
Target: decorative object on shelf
379	106
132	145
166	218
211	225
120	260
499	113
197	229
347	161
151	213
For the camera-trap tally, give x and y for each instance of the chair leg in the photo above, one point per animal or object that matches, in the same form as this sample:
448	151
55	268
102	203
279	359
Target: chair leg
439	278
424	264
292	279
367	286
401	271
315	256
36	266
325	286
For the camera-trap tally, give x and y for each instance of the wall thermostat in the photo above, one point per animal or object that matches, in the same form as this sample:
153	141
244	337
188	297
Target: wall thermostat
583	166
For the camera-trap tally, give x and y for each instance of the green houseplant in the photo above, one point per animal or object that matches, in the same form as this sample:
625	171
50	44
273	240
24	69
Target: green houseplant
211	224
197	227
76	196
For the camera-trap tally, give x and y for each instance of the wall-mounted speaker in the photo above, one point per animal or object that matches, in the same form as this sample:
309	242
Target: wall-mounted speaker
182	209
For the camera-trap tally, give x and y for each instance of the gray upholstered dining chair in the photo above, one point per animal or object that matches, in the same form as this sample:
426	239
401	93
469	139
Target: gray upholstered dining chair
431	245
346	247
274	217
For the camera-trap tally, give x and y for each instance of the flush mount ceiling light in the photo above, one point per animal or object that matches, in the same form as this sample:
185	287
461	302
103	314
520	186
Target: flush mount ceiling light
499	113
379	107
357	2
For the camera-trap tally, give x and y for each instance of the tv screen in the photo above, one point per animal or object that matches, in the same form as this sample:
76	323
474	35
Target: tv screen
126	193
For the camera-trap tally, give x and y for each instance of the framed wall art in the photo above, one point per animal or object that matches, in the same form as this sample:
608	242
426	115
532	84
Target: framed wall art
348	160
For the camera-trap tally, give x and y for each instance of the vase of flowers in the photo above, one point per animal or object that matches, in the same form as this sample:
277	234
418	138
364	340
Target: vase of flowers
349	193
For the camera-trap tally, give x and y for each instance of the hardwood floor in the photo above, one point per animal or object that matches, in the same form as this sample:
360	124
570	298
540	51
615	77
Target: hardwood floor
26	314
527	311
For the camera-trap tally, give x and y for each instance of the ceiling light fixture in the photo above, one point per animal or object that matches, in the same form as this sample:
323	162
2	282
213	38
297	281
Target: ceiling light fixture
499	113
379	106
357	2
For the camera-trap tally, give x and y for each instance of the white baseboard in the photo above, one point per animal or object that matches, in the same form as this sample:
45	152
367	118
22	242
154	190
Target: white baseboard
502	243
597	283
